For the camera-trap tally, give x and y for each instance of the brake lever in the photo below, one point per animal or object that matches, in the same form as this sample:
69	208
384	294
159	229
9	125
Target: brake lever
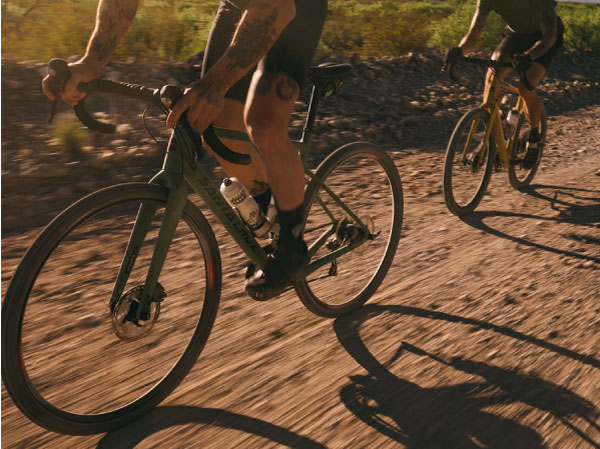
53	107
448	68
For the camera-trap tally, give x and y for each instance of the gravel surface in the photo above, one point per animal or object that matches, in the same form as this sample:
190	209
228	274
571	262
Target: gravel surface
485	333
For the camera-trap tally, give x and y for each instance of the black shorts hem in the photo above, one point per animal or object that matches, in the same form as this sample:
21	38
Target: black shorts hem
513	43
291	54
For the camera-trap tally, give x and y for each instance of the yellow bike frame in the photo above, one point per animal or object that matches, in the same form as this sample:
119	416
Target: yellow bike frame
490	104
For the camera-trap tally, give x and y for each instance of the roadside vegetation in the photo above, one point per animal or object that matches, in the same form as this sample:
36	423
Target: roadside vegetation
177	29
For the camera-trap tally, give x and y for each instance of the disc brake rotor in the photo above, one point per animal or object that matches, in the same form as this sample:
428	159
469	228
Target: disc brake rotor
124	322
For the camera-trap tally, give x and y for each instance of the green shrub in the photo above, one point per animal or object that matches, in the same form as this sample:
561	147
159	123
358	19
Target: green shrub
451	29
385	27
162	30
176	29
582	26
70	136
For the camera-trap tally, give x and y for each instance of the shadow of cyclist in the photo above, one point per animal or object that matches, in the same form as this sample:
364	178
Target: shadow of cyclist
170	416
516	387
451	416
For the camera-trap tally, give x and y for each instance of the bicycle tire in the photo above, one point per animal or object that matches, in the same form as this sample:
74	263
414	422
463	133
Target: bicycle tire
355	154
516	181
14	373
449	163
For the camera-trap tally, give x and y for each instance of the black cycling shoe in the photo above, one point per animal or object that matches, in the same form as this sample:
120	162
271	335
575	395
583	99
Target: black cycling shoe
533	152
279	272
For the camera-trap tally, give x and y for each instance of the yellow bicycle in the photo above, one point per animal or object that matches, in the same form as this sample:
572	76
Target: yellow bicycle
486	137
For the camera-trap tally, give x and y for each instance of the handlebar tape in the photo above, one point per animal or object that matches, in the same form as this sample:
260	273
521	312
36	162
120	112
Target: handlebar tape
84	117
210	136
59	72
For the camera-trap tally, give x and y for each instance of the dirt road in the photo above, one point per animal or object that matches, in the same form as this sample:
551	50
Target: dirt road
485	333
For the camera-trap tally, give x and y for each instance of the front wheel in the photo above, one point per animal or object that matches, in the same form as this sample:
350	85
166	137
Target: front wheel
366	180
469	162
65	362
519	176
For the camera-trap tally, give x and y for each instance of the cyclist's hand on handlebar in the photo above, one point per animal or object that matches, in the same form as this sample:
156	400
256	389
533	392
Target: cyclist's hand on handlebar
453	54
203	103
80	72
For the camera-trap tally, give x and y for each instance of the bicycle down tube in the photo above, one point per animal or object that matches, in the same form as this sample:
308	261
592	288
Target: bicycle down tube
180	168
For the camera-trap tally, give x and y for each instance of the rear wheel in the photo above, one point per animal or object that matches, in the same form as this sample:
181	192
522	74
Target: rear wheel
519	176
365	178
69	360
469	162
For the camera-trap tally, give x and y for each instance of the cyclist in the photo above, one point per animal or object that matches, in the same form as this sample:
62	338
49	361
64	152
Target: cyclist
255	61
533	36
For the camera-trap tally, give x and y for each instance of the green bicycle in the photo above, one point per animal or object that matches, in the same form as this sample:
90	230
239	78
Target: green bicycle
113	303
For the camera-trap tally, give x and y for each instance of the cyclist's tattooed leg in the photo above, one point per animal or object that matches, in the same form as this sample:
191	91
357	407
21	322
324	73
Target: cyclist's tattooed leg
285	87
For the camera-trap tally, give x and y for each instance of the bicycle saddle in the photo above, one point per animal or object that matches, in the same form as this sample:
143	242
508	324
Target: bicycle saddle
328	78
328	71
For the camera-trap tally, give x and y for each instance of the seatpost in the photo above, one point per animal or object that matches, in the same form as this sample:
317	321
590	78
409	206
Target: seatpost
312	111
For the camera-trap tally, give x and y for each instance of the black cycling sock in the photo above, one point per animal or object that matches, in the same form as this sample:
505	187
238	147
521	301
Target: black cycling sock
534	134
263	200
291	222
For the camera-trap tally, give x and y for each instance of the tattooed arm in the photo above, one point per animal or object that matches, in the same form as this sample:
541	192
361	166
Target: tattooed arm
112	21
260	26
548	24
468	43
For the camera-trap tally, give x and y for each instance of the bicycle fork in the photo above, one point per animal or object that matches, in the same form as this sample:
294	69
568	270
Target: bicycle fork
170	176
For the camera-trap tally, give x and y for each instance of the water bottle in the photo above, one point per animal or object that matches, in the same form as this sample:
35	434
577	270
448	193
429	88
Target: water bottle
513	118
238	197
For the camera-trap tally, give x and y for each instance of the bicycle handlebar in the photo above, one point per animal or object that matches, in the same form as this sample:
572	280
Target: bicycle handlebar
165	98
448	67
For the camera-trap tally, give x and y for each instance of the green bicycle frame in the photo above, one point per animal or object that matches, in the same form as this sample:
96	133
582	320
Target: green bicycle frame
180	169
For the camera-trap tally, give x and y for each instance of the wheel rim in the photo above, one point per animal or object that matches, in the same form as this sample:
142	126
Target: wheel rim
469	162
362	182
69	353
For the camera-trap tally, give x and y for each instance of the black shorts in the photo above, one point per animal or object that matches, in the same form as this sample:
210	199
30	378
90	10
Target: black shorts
513	44
291	54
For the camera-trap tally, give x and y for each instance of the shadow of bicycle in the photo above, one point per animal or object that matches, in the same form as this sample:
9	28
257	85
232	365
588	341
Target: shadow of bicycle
583	211
571	203
162	418
453	416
